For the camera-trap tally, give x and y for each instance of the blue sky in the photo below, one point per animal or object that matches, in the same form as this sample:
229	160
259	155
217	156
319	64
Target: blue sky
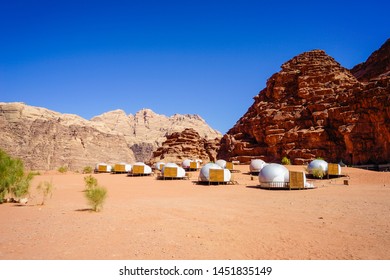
198	57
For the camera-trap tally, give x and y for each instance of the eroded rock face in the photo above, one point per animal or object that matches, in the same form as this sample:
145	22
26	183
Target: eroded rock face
376	66
314	108
186	144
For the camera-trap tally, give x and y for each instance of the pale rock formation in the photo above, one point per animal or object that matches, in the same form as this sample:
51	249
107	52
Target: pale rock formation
45	139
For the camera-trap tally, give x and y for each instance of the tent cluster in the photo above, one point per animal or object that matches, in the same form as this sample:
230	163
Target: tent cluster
137	169
210	173
270	175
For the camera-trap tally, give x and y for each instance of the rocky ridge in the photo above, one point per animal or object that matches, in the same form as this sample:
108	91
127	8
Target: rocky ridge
376	66
46	140
187	144
312	108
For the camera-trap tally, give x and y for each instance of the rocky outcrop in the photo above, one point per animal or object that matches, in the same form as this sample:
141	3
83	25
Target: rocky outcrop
46	139
187	144
146	131
376	66
315	108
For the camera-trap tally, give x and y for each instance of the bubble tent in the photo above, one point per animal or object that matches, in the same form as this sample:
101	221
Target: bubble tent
277	176
172	171
140	169
317	164
256	165
221	163
159	165
328	169
122	167
212	173
191	165
274	175
103	168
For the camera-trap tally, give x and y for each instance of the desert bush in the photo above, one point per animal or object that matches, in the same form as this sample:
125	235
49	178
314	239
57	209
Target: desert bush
46	189
62	169
87	170
96	197
90	182
286	161
318	173
14	180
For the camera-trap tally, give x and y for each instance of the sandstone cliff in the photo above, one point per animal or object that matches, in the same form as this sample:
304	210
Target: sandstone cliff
187	144
376	66
46	139
315	108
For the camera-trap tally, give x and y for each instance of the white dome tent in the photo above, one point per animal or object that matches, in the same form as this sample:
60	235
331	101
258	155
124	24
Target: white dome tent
173	171
103	168
221	163
277	176
140	169
213	173
191	165
256	165
122	168
159	165
274	176
318	168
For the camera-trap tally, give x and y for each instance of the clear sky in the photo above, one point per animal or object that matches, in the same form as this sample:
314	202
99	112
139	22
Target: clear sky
198	57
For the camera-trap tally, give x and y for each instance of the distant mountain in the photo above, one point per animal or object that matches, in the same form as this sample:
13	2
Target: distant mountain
45	139
314	107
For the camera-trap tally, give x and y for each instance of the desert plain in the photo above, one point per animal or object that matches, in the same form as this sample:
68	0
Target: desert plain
148	219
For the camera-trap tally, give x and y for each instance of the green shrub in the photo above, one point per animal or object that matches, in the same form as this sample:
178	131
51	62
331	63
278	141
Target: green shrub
14	180
318	173
63	169
90	182
96	197
46	188
286	161
87	170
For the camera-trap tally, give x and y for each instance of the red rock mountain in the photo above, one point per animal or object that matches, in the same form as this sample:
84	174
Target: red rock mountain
186	144
377	65
314	108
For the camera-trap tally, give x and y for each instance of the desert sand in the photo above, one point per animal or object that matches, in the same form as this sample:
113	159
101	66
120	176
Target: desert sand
145	218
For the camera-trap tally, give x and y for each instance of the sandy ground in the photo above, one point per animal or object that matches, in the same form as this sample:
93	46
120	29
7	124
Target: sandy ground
145	218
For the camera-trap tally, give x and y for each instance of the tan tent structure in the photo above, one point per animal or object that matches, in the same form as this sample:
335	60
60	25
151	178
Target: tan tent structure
103	168
140	169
